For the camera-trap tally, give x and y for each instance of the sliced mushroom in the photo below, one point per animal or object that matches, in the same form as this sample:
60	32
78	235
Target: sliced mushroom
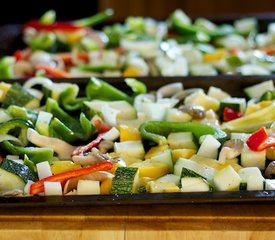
71	184
231	149
197	112
270	170
22	68
181	95
93	158
12	193
105	145
169	90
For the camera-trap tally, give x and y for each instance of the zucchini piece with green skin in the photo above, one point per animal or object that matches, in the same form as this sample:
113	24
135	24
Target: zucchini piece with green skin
227	179
125	180
190	177
19	96
157	131
10	181
195	184
18	169
238	104
257	90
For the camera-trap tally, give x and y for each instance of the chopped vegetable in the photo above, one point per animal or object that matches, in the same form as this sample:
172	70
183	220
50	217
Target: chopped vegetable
157	131
260	140
38	187
231	114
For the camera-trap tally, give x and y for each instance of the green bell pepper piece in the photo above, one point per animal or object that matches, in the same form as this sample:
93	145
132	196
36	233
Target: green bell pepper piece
137	87
6	67
157	131
15	125
35	154
97	68
68	98
268	96
30	164
101	90
67	127
48	17
180	23
22	112
95	19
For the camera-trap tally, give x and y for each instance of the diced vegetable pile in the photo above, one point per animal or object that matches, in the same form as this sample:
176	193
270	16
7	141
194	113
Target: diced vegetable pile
60	138
141	46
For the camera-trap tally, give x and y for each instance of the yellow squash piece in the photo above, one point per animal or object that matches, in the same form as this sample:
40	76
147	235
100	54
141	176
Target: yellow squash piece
153	151
106	186
129	133
151	169
131	71
4	88
182	153
215	56
63	166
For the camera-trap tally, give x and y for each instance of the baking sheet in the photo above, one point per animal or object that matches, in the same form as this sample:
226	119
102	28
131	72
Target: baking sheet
139	199
232	84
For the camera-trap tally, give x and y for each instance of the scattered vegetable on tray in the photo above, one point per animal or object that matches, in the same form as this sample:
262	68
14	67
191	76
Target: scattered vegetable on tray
141	46
57	140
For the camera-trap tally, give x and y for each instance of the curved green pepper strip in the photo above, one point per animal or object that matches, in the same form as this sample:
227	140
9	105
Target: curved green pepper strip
177	22
67	127
137	86
35	154
157	131
22	112
14	124
68	98
101	90
268	96
95	19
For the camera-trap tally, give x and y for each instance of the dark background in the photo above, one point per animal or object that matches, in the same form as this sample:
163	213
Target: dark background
14	13
23	10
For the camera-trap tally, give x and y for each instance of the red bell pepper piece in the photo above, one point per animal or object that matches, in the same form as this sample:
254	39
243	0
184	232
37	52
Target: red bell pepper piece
54	72
260	140
56	26
230	114
22	54
101	126
38	187
67	58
